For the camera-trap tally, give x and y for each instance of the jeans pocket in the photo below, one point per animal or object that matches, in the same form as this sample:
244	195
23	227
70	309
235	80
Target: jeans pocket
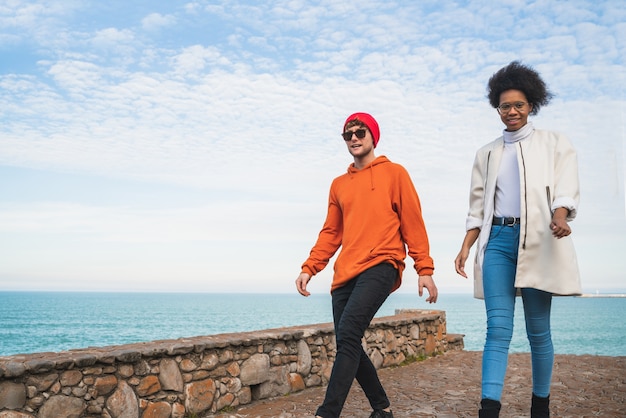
496	230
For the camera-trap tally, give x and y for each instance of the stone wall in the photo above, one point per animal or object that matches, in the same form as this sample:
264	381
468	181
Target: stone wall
202	375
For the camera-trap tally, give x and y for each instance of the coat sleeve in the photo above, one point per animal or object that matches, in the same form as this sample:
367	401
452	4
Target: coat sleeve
477	190
566	184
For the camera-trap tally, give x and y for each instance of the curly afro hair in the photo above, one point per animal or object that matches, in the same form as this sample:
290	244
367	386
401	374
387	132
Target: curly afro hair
519	77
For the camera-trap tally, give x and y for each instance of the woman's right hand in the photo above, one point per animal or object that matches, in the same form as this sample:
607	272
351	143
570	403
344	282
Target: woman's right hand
459	262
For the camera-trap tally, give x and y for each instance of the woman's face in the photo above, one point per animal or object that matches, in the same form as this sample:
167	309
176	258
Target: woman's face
516	109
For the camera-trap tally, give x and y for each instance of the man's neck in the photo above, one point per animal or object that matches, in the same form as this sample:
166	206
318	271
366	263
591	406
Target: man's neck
362	162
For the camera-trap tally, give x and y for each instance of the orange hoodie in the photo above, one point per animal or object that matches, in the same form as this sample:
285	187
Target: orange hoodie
372	214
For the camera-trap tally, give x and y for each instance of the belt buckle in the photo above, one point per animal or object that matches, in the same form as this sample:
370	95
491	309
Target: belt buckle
510	221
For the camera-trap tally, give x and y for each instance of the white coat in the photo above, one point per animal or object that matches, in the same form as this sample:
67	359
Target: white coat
548	171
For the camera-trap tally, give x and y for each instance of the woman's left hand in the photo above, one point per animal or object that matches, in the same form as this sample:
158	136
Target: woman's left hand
559	226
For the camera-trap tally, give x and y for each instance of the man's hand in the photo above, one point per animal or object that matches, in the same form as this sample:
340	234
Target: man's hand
428	283
301	283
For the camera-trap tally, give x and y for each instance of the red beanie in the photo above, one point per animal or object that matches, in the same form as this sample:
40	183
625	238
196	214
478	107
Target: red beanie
368	121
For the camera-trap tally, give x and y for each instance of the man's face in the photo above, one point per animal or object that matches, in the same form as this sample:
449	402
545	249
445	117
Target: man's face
359	147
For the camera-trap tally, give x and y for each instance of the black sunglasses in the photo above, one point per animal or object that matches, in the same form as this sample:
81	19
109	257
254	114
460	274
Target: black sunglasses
360	133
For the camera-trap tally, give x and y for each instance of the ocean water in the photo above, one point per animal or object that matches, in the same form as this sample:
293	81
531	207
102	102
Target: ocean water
33	322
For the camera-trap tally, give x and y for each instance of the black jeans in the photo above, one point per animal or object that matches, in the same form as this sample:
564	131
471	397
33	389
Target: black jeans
354	307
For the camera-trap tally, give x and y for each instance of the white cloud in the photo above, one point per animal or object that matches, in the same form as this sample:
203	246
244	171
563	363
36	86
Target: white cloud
157	21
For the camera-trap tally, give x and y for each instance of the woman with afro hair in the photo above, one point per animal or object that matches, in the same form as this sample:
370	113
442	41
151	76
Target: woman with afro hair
524	192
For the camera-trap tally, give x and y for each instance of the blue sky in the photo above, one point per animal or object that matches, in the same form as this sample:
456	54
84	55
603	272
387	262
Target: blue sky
189	146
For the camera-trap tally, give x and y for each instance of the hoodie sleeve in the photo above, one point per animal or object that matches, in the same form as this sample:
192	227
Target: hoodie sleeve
412	226
329	238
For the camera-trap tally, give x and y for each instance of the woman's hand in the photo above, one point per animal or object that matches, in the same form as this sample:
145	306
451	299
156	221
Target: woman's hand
559	226
459	262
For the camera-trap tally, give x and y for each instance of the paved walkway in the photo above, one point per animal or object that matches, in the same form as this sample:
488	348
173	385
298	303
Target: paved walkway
448	386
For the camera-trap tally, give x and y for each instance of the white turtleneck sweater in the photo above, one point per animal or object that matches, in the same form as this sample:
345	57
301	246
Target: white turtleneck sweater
507	201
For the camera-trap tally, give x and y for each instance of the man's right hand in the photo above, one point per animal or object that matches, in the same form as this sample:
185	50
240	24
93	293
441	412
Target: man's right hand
301	282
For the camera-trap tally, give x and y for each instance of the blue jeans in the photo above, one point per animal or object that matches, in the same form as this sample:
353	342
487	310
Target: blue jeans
354	307
498	284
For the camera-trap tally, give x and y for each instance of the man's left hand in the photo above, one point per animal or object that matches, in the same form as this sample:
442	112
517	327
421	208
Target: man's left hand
428	283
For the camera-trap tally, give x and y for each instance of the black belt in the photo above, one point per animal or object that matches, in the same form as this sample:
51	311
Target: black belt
508	221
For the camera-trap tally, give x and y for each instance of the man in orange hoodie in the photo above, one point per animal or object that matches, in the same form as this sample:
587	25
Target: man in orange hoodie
374	215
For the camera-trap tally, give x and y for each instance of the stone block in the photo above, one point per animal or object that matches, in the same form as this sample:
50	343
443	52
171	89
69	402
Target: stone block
224	401
123	403
187	365
376	358
62	406
210	361
303	365
296	382
12	395
170	375
104	385
149	385
244	396
199	396
255	370
157	410
71	377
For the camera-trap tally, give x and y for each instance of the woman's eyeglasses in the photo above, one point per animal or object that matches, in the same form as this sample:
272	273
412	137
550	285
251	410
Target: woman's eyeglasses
360	133
506	107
